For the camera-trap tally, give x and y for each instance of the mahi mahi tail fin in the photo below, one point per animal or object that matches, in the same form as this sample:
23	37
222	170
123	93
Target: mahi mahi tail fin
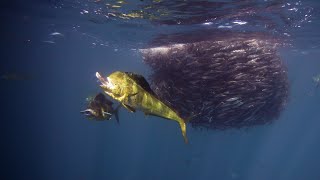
183	128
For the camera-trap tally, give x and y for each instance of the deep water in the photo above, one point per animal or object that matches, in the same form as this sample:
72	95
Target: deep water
43	135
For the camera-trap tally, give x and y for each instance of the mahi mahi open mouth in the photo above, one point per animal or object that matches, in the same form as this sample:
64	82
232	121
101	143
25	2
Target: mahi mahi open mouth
103	81
106	84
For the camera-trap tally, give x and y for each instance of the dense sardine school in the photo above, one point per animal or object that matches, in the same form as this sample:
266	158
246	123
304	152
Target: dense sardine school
223	79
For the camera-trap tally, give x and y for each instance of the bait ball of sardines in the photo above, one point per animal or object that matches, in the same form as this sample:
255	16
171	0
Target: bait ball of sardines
224	79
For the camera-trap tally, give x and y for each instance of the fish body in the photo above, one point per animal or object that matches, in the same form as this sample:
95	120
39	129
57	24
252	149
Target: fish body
100	108
56	34
134	93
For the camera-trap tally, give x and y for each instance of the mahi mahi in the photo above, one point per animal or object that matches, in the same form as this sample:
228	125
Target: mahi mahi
134	93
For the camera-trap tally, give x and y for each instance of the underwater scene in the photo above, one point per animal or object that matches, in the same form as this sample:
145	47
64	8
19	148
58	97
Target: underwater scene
160	90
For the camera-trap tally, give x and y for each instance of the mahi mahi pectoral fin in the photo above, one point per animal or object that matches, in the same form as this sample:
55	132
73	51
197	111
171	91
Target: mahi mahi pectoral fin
129	108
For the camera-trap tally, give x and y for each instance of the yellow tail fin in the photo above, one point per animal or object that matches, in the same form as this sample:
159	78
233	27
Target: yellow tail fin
183	127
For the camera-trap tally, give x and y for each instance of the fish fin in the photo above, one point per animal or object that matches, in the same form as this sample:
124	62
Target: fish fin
103	112
106	113
181	122
116	114
129	108
141	81
183	128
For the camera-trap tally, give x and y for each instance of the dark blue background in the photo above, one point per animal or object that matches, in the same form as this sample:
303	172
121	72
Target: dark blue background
43	135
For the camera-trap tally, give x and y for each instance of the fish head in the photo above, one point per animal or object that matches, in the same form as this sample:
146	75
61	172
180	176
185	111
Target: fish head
98	116
113	84
89	113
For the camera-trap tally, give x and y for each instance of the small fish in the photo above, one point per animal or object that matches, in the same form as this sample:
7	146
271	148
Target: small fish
56	34
100	108
134	92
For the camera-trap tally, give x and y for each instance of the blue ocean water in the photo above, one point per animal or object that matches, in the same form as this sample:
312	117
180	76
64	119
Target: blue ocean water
50	51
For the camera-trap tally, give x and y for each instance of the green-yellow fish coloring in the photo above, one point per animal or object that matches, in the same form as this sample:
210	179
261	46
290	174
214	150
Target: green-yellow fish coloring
134	92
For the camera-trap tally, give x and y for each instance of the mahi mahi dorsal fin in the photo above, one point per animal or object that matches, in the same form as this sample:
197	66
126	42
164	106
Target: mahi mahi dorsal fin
141	81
